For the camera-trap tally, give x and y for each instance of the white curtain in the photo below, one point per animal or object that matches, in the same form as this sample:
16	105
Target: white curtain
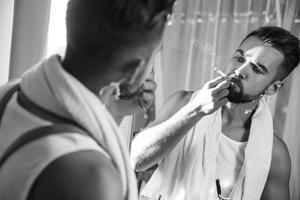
290	134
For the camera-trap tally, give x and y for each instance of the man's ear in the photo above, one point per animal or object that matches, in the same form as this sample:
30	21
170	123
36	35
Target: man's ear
274	88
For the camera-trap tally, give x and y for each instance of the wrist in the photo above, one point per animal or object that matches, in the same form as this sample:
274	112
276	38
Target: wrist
191	113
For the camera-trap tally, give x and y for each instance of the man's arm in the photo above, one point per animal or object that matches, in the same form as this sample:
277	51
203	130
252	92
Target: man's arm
84	175
277	186
176	118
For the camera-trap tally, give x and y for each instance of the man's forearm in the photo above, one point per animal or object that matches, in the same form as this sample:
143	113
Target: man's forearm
151	145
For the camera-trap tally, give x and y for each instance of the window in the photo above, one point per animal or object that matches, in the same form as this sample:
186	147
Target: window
6	21
57	27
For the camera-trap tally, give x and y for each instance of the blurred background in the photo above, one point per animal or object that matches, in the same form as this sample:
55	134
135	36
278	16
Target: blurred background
200	34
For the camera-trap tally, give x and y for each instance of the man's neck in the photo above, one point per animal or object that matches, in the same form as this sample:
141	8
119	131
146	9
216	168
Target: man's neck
238	114
236	120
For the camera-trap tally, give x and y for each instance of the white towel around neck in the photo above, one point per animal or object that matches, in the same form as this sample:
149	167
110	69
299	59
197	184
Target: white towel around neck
66	96
188	172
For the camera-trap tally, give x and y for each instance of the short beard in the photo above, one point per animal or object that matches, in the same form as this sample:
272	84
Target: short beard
241	99
236	92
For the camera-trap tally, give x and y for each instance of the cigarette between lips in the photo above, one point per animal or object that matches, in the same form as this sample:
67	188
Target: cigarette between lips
220	72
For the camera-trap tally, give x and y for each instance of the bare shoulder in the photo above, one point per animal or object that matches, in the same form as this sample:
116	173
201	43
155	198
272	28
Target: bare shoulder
173	104
277	185
81	175
281	161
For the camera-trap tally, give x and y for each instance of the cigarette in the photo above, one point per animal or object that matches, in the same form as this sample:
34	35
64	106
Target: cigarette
220	72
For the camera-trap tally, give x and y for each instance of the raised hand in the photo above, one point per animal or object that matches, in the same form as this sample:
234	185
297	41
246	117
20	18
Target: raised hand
210	98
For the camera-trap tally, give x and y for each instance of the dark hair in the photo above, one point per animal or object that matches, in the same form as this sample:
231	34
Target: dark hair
281	40
104	25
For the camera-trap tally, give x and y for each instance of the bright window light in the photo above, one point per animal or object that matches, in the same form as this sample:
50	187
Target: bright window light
57	28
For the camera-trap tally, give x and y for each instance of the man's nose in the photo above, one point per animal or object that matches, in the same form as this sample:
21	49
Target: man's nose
242	71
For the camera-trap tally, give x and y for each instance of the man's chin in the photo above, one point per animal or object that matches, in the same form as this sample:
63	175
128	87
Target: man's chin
241	100
237	101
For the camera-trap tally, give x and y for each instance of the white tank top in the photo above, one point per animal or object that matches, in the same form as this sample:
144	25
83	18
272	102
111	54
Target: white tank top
19	172
230	159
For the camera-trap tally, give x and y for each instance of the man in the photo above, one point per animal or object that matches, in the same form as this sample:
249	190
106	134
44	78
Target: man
57	140
229	154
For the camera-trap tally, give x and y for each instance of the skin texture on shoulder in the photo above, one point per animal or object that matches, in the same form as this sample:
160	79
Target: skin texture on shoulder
277	185
83	175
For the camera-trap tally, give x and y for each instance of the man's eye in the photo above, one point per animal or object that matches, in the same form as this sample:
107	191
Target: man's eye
239	59
257	69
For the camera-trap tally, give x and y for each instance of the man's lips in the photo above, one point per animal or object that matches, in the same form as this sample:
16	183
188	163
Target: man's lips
236	82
